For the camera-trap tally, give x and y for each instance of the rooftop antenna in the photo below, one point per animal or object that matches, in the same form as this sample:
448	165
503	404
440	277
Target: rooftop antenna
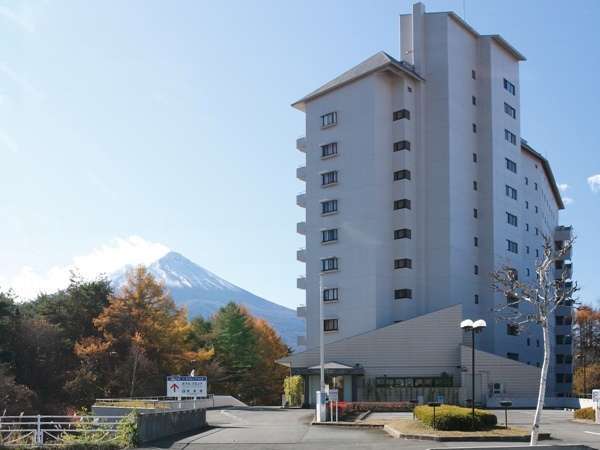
465	10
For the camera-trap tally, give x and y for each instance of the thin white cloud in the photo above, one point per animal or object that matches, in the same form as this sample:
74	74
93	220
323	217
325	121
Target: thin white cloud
594	183
563	188
8	142
24	21
108	258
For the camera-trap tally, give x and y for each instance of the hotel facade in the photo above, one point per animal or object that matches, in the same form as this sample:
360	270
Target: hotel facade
419	184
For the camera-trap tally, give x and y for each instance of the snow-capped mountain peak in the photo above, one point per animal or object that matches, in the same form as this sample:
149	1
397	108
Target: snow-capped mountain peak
203	293
176	271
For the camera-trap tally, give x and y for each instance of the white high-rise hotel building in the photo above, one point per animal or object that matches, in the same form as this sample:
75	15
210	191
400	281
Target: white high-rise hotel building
419	185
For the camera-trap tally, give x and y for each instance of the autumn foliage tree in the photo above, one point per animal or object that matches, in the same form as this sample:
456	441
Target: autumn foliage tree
142	338
61	351
245	349
587	350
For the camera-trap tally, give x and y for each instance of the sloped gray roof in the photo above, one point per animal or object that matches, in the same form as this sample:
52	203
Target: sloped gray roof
548	170
377	62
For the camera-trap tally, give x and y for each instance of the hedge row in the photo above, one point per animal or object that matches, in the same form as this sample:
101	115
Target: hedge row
375	406
585	414
449	417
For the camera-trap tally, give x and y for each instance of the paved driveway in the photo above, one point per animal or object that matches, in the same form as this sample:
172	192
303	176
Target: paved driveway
274	428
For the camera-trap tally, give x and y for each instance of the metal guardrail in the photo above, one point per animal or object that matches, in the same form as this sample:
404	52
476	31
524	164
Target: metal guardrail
55	430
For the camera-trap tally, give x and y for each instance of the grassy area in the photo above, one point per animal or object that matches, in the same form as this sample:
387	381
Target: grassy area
414	427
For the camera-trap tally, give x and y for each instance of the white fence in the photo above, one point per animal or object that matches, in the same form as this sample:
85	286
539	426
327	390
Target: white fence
54	430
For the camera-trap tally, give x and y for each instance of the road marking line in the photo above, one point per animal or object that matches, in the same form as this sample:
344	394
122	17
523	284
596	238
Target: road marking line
592	432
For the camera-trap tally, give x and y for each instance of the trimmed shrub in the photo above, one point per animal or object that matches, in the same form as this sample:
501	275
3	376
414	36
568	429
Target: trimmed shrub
455	418
585	414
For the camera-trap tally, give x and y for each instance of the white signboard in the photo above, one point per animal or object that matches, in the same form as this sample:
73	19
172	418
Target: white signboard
186	386
596	395
333	395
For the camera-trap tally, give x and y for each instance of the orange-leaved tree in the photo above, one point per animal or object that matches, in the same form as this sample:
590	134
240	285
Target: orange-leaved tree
268	376
142	338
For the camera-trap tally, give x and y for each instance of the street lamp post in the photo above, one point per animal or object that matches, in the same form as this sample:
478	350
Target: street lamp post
474	327
321	335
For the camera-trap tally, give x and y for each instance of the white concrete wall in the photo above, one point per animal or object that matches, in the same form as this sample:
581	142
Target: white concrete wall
442	248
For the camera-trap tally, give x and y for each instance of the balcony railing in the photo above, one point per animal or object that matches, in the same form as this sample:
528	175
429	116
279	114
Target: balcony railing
301	228
301	144
301	282
301	199
301	173
301	311
301	254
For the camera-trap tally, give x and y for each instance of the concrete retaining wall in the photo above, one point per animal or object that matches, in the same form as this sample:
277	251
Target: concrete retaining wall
158	425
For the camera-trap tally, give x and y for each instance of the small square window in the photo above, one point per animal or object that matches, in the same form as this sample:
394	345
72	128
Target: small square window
476	269
475	241
401	114
401	145
402	293
474	127
473	74
329	149
474	157
402	233
328	119
476	299
474	100
329	264
402	175
329	235
329	178
402	204
330	325
330	295
475	213
403	263
474	185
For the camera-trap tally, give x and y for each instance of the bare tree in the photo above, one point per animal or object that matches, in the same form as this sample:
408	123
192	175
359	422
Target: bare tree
543	296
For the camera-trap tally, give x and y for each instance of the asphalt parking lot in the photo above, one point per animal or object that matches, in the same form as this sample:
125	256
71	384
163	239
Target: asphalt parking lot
274	428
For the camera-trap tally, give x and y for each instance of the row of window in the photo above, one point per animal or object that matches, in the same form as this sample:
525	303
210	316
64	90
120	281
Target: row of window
413	382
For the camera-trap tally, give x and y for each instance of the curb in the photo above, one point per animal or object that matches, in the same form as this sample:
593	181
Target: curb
348	424
432	437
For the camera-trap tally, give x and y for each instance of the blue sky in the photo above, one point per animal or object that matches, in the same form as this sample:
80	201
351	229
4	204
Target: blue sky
127	128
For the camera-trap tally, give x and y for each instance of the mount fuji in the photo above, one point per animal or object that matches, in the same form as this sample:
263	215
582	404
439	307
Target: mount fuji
203	293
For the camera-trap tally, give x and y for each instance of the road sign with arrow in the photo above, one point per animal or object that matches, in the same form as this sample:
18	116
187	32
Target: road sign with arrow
186	386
